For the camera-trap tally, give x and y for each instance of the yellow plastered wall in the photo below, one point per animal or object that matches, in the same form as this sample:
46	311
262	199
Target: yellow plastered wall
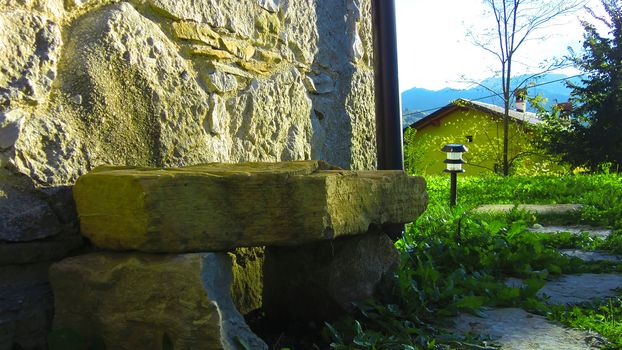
485	150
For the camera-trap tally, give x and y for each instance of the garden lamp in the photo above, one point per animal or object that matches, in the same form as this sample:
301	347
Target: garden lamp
454	163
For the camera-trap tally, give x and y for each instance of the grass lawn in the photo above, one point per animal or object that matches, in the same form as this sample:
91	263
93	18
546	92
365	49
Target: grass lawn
456	261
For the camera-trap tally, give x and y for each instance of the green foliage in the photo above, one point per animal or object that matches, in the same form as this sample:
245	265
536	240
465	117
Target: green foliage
599	194
453	261
413	152
604	318
592	134
456	261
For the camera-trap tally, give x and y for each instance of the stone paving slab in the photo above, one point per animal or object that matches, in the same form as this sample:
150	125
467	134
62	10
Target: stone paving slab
575	289
599	232
595	255
516	329
534	208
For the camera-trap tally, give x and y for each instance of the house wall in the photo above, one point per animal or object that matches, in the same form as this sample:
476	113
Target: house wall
161	83
485	152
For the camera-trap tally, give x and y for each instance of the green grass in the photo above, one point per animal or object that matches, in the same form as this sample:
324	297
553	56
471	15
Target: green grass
456	261
600	194
604	318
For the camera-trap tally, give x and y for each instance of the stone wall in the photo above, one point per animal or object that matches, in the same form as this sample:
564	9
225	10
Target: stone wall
161	83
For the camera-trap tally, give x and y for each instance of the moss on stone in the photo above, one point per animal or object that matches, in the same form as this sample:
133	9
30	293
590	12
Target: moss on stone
247	286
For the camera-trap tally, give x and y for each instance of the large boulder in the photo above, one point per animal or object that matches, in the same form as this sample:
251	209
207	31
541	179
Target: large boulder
172	83
126	96
135	301
321	281
31	46
215	207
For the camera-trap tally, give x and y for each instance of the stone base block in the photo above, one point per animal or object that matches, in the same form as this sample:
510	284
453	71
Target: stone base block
26	305
320	281
135	301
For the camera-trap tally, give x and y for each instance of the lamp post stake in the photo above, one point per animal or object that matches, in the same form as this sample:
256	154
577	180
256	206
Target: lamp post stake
453	195
454	163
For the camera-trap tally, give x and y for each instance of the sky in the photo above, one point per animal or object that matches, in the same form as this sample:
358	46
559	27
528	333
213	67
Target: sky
433	52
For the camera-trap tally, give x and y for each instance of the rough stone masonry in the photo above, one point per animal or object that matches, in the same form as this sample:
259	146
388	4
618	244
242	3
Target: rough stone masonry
161	83
321	226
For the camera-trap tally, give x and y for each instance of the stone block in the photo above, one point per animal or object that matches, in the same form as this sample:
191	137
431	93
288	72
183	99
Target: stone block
320	281
49	249
25	215
134	301
31	46
237	47
221	82
210	52
247	286
230	69
26	306
270	5
195	31
217	206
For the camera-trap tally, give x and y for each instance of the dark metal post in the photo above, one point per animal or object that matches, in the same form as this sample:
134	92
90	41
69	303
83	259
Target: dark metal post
388	115
453	192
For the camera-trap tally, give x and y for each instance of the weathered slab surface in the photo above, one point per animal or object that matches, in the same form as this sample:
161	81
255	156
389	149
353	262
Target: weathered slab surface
132	300
215	207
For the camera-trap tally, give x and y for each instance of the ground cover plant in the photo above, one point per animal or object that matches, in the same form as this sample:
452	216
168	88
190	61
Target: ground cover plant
456	261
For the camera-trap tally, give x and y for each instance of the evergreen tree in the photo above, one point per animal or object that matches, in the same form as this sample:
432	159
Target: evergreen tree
592	134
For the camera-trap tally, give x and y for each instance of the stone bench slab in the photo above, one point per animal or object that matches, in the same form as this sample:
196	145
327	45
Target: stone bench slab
214	207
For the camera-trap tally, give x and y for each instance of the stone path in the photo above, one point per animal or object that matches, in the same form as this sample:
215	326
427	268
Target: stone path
575	229
516	329
576	289
595	255
534	208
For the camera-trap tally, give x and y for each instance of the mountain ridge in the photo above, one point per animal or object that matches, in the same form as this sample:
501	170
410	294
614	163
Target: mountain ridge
419	102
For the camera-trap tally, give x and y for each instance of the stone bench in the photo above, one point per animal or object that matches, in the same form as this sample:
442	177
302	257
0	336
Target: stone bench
217	207
171	230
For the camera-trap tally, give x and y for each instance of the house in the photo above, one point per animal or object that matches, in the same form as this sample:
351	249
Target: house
480	127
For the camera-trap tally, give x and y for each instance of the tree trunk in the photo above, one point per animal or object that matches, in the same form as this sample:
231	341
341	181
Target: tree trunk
506	116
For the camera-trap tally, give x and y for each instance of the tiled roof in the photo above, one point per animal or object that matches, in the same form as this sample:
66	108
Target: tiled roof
521	117
527	117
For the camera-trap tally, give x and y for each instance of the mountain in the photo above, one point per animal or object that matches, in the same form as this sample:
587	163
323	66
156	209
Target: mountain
419	102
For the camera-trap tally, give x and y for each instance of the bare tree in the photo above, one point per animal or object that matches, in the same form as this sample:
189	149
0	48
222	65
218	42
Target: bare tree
516	22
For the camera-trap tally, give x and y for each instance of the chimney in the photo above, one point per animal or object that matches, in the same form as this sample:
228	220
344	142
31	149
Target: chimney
565	109
520	95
